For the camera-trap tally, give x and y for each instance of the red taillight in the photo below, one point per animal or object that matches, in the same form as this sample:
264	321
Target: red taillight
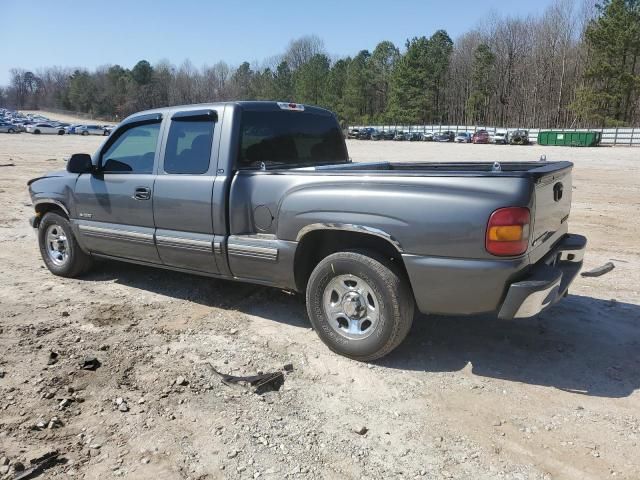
508	231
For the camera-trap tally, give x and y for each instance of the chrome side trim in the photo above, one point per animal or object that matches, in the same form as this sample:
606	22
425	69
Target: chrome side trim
186	243
262	253
252	246
348	227
116	234
55	202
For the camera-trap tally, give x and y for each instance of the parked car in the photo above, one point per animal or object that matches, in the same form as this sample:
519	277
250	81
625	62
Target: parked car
446	136
427	137
400	136
45	128
501	138
18	125
414	136
376	135
92	130
7	127
71	129
487	241
353	133
389	135
463	137
481	136
519	137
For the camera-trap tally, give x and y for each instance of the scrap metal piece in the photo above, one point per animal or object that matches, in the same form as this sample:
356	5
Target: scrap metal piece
90	363
599	271
39	465
263	383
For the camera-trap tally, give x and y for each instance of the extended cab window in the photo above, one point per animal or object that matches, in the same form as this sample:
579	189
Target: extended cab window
189	146
289	138
133	151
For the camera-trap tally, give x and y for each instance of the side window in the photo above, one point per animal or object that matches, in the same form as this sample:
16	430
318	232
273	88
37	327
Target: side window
133	151
189	146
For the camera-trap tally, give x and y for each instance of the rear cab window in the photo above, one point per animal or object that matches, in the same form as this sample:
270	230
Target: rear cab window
290	139
188	149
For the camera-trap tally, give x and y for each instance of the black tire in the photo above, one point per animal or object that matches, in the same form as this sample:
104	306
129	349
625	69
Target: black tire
60	132
37	132
395	303
11	130
106	133
77	262
85	133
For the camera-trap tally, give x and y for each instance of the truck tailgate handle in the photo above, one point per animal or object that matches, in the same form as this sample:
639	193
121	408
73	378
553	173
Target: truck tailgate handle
557	191
142	193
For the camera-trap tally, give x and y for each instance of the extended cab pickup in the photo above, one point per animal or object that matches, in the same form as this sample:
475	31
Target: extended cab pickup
265	192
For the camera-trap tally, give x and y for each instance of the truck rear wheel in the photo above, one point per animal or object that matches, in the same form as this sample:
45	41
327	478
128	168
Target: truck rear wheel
59	249
360	304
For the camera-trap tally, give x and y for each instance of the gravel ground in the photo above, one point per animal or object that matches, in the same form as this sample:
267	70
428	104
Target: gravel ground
467	398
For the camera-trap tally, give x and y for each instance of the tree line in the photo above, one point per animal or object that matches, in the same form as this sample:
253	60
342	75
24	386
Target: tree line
567	67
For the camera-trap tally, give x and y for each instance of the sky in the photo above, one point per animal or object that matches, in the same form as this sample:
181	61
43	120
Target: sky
38	33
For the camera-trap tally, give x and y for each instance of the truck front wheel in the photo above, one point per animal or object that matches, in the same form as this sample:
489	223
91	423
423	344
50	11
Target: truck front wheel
59	249
360	304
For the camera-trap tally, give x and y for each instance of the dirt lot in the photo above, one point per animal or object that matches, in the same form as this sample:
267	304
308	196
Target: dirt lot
467	398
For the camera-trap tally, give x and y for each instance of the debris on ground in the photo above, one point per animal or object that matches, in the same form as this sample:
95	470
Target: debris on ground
599	271
39	465
7	164
266	382
122	405
53	358
90	363
361	430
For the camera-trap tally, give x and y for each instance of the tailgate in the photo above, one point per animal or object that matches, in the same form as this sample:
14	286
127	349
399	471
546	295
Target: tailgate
552	207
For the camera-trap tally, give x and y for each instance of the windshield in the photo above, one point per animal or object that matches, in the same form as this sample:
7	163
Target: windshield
289	138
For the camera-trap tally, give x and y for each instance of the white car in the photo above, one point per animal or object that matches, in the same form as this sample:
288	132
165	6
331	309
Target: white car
427	137
93	130
500	138
463	137
47	128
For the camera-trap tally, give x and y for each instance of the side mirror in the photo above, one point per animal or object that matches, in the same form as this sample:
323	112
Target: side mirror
80	163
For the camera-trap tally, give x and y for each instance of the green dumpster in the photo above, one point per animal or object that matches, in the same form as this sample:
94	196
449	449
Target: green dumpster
569	139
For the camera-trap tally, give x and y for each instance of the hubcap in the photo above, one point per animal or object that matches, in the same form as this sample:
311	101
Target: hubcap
57	245
351	306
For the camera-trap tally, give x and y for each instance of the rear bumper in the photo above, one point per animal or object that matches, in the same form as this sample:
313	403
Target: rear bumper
451	286
547	282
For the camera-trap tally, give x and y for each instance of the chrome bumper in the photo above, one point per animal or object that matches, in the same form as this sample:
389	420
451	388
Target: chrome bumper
547	282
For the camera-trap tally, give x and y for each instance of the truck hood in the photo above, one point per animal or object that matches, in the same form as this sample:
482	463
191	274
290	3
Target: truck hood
59	173
54	185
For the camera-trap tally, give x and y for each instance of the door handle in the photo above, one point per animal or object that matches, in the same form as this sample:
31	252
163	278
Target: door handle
142	193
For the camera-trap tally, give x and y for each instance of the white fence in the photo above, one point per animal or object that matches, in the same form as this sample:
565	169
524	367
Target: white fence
610	136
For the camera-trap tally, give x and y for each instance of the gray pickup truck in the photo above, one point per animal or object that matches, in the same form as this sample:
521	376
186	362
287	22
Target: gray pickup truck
265	192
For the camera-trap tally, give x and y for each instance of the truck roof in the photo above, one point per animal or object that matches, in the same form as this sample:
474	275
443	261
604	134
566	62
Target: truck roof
245	104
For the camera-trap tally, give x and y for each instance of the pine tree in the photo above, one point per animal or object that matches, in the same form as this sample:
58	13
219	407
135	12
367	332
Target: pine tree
311	78
483	60
612	77
357	88
408	100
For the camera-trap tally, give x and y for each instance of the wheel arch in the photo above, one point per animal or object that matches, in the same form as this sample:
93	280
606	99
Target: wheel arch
317	241
47	205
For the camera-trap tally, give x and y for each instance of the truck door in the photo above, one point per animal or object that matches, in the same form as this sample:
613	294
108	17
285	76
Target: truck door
115	205
183	191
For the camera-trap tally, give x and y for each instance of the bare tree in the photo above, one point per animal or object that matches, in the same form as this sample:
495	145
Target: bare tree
301	50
